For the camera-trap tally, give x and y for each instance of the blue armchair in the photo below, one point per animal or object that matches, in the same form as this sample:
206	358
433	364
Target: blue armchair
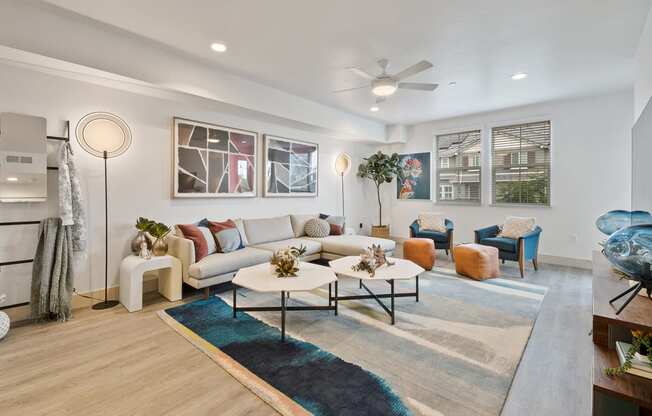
443	241
521	250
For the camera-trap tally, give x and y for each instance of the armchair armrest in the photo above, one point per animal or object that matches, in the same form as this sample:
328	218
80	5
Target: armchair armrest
487	232
184	250
449	224
414	228
530	243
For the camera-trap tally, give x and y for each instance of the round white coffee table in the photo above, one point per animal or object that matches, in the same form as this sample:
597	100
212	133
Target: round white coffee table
400	270
261	278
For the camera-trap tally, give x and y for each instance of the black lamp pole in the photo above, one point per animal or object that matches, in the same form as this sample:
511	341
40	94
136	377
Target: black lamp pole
106	304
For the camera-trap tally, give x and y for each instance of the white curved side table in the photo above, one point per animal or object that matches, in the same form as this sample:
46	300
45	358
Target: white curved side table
131	279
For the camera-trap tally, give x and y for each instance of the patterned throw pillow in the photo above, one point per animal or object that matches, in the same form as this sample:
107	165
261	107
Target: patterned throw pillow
516	227
226	235
432	221
317	227
194	234
337	223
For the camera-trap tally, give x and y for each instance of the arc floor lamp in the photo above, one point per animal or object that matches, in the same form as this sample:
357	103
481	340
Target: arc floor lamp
107	136
342	167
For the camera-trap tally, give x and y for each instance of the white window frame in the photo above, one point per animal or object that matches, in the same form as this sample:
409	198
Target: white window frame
435	134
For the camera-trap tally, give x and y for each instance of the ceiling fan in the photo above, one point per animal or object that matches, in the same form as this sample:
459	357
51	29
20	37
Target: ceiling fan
384	85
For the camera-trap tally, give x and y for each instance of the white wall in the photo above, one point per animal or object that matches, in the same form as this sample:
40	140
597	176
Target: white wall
643	75
140	179
590	172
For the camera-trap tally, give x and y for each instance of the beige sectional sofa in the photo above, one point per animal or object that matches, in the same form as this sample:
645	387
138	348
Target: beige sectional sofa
261	237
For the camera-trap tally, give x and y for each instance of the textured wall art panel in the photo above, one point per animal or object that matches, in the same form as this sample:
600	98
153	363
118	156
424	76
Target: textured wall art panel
291	167
213	161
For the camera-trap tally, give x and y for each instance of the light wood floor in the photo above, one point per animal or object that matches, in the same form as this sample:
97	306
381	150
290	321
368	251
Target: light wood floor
116	363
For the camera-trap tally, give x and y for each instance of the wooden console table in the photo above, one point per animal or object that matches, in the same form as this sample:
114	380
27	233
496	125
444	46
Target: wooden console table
634	392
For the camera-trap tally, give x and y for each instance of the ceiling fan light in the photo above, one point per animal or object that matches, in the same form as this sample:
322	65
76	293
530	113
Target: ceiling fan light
384	90
374	108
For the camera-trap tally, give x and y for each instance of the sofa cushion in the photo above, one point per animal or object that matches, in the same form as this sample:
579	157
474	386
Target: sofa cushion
221	263
501	243
262	230
298	222
352	245
337	223
312	246
240	224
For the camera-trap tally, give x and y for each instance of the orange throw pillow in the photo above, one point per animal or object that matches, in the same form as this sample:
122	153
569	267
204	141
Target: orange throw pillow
194	234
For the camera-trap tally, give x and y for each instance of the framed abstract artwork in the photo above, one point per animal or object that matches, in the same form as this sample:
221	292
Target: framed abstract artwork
416	177
291	167
213	161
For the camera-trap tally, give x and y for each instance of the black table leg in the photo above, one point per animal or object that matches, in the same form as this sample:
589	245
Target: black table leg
360	283
391	282
417	291
330	297
336	298
282	316
234	296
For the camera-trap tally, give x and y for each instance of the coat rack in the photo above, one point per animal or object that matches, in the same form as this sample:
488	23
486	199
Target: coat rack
3	224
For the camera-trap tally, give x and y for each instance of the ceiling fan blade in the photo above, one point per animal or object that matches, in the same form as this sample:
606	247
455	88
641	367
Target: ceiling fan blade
421	86
351	89
360	72
414	69
380	100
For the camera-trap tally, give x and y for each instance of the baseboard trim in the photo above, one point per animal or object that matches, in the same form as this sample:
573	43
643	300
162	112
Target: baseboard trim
586	264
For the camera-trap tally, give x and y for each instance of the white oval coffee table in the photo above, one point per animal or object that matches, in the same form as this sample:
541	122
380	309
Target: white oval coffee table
261	278
401	270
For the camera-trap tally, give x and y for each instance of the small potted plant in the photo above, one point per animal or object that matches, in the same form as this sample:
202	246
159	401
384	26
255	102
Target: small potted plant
142	225
380	168
640	351
285	263
159	231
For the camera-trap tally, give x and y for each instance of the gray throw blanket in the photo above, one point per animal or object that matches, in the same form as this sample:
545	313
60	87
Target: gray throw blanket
52	273
71	204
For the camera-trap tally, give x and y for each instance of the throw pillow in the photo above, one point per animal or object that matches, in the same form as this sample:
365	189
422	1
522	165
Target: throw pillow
317	227
432	221
516	227
240	224
226	235
299	222
194	234
336	222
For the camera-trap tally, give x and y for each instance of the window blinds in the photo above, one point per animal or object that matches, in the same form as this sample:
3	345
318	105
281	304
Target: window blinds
458	166
521	163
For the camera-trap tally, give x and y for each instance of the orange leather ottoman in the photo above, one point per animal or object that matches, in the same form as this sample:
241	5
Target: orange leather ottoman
421	251
476	261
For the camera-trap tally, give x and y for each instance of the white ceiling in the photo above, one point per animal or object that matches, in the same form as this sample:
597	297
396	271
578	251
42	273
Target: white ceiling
569	48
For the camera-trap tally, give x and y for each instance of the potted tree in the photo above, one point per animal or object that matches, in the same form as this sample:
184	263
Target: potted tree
380	168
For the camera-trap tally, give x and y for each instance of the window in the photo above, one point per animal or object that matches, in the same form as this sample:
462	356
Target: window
458	176
521	164
445	192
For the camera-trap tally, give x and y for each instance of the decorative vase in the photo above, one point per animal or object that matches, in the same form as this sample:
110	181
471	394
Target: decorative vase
380	231
160	247
612	221
138	240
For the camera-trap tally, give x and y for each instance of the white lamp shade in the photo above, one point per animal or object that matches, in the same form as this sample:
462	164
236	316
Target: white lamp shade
343	164
98	133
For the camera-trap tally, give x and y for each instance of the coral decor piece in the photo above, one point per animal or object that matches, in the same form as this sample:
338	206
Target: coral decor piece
371	259
286	262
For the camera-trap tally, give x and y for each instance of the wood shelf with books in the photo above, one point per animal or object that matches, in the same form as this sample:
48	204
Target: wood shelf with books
608	328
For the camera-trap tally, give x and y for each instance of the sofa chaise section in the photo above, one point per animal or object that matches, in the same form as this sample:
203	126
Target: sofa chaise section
336	246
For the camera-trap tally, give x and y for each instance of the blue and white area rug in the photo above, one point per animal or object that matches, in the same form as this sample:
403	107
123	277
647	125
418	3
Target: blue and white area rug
455	352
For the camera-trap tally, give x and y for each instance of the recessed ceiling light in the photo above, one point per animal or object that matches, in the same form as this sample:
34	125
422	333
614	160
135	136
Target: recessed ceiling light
213	140
519	75
374	108
12	179
452	84
218	47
